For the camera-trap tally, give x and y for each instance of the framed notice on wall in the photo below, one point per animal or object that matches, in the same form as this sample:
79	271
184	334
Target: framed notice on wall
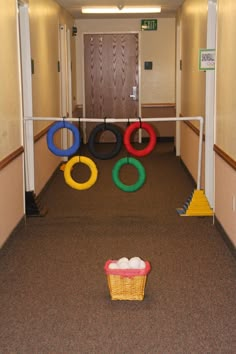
206	59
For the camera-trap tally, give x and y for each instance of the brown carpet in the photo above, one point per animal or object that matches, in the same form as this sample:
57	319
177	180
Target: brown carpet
54	294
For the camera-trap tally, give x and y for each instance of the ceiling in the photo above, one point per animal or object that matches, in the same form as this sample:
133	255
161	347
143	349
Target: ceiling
169	7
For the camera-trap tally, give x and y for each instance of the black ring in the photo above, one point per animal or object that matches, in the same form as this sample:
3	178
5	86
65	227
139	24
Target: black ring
92	140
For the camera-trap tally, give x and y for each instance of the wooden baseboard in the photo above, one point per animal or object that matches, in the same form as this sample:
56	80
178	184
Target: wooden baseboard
160	139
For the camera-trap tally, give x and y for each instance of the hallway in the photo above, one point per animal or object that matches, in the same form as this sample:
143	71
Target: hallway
55	297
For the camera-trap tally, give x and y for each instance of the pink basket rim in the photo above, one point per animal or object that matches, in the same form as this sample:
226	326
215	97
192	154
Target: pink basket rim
126	272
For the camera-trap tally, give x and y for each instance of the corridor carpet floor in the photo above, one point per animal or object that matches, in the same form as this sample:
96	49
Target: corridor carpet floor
54	293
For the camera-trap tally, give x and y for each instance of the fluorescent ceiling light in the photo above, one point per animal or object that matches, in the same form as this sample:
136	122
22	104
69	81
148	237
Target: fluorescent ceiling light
122	10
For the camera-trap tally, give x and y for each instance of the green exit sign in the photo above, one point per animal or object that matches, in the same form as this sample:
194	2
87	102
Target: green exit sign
149	25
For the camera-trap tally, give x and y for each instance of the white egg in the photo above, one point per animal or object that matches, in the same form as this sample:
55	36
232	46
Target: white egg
123	259
142	265
134	262
124	265
113	266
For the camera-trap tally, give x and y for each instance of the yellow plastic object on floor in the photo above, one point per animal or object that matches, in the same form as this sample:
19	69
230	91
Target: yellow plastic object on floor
196	205
62	167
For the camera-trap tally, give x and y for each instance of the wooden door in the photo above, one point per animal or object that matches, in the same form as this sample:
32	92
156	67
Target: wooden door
111	72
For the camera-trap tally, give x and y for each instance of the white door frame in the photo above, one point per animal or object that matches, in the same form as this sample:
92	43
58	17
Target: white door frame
69	74
69	82
63	84
210	107
178	88
26	80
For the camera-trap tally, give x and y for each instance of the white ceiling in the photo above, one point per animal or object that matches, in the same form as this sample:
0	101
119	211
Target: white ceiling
169	7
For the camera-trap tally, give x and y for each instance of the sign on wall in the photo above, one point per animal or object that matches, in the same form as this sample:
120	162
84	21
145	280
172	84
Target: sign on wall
149	25
206	59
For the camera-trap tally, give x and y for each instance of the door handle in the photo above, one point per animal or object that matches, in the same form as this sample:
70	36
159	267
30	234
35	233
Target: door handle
134	93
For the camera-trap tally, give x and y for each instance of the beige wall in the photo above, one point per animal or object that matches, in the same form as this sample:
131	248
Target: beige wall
194	27
44	31
225	174
189	153
12	197
193	19
45	16
226	73
225	183
45	162
10	99
11	176
158	85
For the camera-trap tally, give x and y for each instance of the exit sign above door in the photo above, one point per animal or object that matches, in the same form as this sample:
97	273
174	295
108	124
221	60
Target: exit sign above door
149	25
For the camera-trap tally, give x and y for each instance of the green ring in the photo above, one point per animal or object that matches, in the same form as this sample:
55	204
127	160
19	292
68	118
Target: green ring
141	171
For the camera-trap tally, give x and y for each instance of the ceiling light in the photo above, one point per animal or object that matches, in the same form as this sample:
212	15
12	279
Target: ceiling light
118	10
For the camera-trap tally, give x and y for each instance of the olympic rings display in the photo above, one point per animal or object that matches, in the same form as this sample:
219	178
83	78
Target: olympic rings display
127	137
141	171
66	152
92	139
87	161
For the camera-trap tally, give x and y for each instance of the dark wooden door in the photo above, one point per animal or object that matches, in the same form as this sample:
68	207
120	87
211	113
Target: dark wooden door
111	73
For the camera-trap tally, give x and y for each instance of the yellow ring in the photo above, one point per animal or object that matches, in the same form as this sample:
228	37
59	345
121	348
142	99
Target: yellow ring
67	172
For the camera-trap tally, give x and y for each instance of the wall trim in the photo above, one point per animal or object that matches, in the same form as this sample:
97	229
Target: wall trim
143	105
231	162
11	157
158	105
42	133
8	159
192	127
225	237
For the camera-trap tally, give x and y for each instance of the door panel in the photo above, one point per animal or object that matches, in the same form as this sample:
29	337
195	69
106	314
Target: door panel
111	72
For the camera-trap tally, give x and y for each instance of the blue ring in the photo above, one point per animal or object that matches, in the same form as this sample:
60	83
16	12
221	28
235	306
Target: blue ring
74	147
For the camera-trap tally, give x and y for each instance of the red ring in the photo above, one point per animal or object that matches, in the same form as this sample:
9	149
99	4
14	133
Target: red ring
152	142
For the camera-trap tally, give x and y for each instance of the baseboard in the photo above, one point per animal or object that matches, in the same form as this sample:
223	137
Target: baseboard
160	139
225	237
34	207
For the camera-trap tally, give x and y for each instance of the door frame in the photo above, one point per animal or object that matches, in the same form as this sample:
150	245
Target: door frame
139	72
27	99
65	83
210	111
178	87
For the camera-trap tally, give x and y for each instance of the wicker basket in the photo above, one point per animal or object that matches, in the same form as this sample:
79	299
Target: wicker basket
126	284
